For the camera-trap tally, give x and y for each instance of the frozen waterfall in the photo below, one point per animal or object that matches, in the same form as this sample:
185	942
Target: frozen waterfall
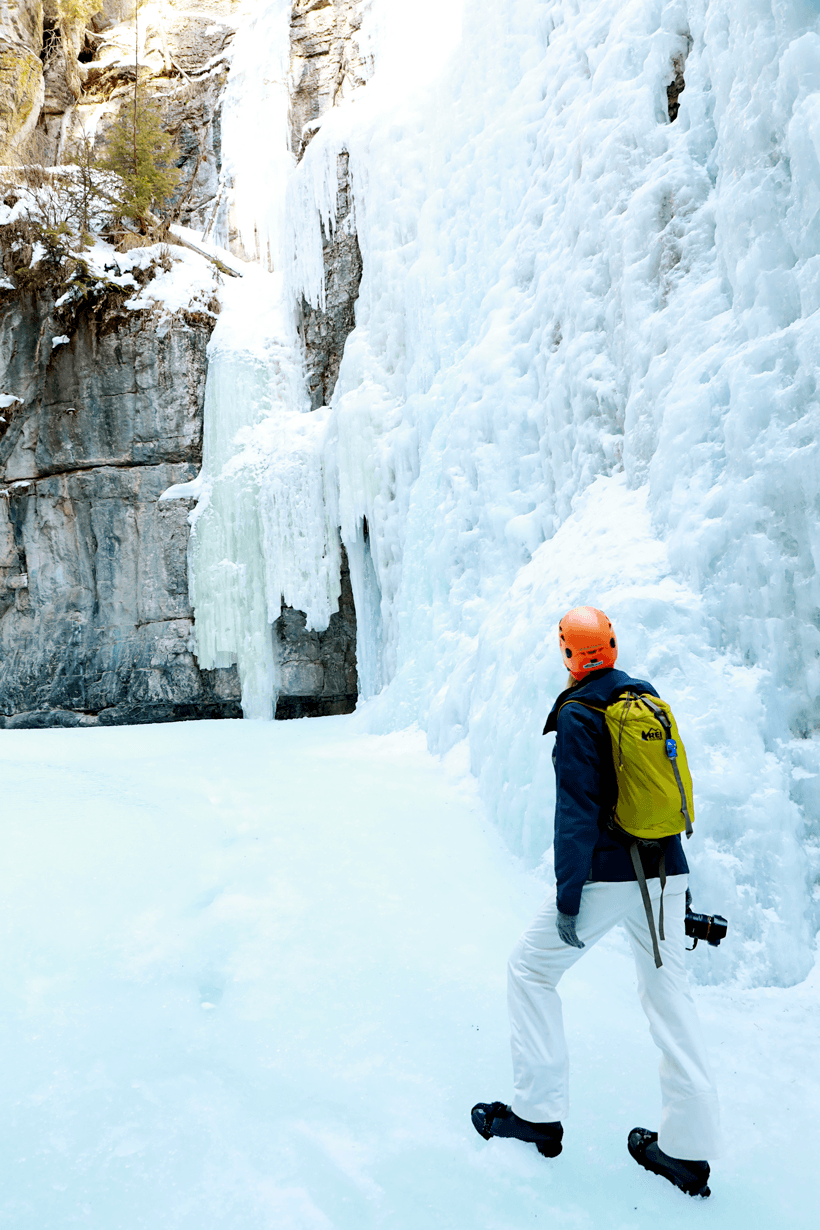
264	531
583	371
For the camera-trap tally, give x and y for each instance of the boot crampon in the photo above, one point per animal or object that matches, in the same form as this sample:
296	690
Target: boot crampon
690	1177
496	1119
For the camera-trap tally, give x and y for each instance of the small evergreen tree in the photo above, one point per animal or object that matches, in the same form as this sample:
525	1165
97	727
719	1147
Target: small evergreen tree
142	154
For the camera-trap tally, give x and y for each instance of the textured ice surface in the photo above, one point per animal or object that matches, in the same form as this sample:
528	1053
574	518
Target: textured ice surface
584	371
586	360
253	977
264	532
255	156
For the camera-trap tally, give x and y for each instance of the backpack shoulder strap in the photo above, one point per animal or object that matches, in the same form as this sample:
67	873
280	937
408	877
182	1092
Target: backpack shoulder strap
672	754
576	700
603	706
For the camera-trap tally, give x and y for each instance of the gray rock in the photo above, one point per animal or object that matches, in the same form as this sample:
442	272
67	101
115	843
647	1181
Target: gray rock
325	330
326	64
129	397
21	98
194	43
95	621
318	669
325	61
21	21
103	628
192	115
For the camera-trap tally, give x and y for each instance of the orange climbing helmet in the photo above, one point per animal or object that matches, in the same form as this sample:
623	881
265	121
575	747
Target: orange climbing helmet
587	640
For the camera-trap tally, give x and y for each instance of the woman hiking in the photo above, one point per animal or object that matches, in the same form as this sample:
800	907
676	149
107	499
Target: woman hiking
623	796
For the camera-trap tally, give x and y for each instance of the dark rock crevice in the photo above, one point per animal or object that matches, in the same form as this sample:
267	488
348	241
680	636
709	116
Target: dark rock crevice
326	329
678	83
318	669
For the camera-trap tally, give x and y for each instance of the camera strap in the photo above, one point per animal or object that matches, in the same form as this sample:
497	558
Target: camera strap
640	875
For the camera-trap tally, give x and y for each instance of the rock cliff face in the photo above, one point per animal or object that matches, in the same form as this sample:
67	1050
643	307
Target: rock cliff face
318	669
325	329
60	78
326	62
21	75
326	65
184	64
95	621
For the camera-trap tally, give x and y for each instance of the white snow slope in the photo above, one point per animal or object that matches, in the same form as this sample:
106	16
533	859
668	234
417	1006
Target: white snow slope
253	977
583	371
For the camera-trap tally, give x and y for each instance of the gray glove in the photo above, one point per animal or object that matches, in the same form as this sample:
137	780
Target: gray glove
566	929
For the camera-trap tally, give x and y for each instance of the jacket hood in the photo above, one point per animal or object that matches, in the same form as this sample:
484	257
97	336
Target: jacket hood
600	688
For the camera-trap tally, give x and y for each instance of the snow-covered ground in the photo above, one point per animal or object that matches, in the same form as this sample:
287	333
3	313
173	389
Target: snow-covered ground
253	976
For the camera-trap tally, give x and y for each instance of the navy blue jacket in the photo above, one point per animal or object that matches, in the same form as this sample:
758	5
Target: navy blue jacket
586	792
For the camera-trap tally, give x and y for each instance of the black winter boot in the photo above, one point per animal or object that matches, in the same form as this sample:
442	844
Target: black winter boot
690	1177
496	1119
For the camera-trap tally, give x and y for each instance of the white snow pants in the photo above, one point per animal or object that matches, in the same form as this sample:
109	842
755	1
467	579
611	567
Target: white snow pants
690	1126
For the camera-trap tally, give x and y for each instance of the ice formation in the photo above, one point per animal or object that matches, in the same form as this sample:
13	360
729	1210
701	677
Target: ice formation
264	532
583	370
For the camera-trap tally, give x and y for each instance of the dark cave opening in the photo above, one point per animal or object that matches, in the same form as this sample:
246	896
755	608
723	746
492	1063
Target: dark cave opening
318	669
675	88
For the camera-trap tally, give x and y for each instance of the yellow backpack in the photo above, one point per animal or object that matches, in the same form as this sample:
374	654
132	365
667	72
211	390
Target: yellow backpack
654	783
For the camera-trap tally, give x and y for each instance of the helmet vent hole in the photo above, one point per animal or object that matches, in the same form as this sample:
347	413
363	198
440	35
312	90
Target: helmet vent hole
612	642
568	652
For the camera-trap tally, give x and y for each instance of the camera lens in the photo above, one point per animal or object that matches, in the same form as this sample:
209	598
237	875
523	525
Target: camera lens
709	927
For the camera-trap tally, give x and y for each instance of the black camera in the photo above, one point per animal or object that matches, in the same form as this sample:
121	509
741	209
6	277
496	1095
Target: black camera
709	927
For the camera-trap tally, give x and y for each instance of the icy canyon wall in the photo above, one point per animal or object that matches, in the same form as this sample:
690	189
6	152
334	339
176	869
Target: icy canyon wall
529	320
270	579
584	370
102	404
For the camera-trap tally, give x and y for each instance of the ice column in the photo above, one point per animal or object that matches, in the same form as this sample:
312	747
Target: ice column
256	158
261	530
